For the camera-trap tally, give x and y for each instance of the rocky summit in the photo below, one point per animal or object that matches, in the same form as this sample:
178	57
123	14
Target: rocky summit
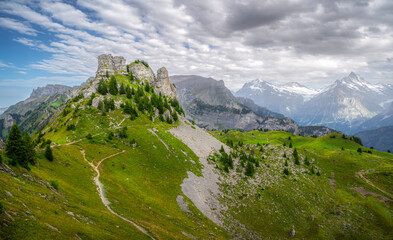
109	64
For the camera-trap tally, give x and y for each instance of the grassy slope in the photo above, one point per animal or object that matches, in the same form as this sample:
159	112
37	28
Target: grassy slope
304	201
142	184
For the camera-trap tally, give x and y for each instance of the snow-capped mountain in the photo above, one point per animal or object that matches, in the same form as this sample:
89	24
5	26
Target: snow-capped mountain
284	99
344	105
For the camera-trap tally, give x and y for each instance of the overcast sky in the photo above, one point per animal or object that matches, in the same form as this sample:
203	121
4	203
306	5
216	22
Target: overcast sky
311	42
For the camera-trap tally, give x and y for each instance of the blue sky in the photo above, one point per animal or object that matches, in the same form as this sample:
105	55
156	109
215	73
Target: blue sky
311	42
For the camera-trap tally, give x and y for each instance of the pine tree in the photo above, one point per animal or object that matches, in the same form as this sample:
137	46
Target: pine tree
48	153
306	162
30	152
131	76
107	74
122	89
15	148
113	86
290	145
250	170
128	92
101	88
296	157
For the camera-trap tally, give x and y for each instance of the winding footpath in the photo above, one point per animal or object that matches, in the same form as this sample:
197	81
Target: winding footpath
100	188
360	174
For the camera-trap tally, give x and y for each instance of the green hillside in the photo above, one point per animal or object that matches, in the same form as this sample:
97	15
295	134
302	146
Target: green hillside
141	167
119	173
337	193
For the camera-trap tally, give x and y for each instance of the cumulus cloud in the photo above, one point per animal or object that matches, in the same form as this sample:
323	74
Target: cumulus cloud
310	41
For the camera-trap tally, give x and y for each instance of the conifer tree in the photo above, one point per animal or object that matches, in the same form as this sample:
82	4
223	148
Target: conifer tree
122	89
101	88
250	170
30	152
306	162
128	92
113	86
296	157
131	76
48	153
15	148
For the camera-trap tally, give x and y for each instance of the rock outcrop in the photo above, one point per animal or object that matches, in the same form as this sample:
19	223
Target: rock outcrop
8	121
142	72
162	81
106	62
164	84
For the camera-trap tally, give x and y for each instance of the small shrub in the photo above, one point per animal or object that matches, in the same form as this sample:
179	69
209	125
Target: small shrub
89	136
54	184
306	162
71	127
286	171
48	153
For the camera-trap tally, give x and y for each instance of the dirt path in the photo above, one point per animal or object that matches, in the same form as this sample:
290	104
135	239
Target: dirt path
155	134
202	191
360	174
100	188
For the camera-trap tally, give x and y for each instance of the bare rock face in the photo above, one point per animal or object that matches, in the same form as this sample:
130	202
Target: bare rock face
106	62
142	72
8	121
164	84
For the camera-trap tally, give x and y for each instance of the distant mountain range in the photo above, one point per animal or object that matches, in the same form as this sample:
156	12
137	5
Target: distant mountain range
34	113
211	105
380	139
348	105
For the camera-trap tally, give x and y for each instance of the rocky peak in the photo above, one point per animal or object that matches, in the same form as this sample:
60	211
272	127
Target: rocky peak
49	90
142	72
164	83
106	62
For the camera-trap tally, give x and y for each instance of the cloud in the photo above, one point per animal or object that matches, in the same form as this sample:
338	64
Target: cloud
308	41
3	65
17	26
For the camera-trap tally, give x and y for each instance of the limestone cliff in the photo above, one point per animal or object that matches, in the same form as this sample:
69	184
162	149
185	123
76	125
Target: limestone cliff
164	84
106	62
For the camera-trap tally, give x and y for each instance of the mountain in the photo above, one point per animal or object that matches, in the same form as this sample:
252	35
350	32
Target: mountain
35	112
344	105
3	110
211	105
285	99
380	139
385	118
128	165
